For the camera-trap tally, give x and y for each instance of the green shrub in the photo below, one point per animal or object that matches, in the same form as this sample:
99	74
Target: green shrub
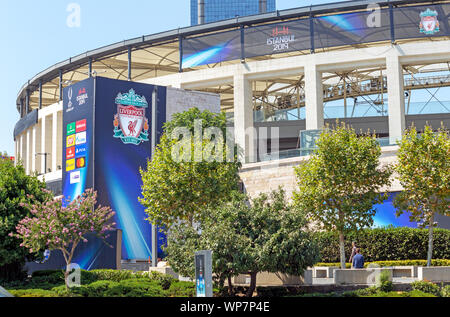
181	289
60	291
33	293
445	291
163	279
46	279
385	244
96	289
385	285
135	288
112	275
362	292
417	293
426	287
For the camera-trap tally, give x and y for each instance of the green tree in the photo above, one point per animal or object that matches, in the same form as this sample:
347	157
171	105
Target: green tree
340	183
180	182
248	237
424	172
16	188
55	225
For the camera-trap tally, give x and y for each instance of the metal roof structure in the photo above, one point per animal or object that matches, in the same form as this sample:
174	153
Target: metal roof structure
159	54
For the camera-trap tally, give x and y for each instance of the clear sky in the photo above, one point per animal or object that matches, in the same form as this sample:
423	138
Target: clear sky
35	35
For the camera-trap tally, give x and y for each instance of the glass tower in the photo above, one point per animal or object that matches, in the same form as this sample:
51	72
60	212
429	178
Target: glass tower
216	10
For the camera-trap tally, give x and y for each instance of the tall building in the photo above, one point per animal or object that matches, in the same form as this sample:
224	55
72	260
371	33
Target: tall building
216	10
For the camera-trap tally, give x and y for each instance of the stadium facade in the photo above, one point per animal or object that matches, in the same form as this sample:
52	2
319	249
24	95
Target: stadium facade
280	76
207	11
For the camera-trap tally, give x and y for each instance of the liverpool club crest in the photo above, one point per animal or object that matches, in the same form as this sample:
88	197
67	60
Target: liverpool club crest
130	122
429	23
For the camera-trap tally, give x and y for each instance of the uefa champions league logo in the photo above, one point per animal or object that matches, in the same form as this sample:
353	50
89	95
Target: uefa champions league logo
429	23
130	123
69	104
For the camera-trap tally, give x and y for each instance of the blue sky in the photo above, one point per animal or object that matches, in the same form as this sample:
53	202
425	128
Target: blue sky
35	36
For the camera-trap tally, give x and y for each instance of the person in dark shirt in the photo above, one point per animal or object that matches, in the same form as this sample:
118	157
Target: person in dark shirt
358	260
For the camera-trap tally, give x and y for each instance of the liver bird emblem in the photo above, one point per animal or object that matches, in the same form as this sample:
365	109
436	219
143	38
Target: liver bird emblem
132	127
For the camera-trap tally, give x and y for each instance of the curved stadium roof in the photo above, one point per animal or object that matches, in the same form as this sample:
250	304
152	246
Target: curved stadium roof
159	54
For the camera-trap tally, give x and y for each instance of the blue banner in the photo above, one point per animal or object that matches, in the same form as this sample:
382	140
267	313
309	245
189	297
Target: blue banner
123	121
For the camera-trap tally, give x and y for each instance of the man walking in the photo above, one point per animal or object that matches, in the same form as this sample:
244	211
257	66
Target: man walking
358	260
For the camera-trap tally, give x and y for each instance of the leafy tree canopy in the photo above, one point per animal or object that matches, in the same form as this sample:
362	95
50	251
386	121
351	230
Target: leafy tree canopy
16	188
342	181
180	189
247	237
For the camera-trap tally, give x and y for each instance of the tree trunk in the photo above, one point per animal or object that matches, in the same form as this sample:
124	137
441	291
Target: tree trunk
66	276
252	288
342	249
430	240
230	286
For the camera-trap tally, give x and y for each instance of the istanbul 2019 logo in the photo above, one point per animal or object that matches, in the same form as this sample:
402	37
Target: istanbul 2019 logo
130	123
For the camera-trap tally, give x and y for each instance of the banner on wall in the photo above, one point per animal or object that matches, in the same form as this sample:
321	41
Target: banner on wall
211	49
123	135
108	126
106	140
366	26
277	38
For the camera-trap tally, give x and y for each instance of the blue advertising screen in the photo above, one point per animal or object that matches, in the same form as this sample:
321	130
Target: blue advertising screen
123	121
386	216
107	139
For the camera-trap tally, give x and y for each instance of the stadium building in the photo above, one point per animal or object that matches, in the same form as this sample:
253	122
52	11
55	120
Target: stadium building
280	76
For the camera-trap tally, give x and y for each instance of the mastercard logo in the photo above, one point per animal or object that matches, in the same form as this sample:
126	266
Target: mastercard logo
81	162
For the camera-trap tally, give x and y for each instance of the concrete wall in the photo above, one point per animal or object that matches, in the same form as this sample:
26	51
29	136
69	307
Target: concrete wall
276	279
360	276
264	177
179	100
434	274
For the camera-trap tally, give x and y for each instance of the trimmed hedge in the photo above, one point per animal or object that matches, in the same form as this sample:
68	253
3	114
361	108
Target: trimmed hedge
434	262
104	283
385	244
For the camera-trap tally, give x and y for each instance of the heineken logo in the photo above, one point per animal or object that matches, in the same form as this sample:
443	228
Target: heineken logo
130	122
429	23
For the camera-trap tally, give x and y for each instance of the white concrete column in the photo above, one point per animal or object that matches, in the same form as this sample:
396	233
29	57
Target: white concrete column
243	119
54	140
33	148
313	97
43	144
396	97
16	151
27	157
21	149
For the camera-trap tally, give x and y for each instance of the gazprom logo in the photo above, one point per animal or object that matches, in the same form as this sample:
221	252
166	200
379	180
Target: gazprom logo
80	138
